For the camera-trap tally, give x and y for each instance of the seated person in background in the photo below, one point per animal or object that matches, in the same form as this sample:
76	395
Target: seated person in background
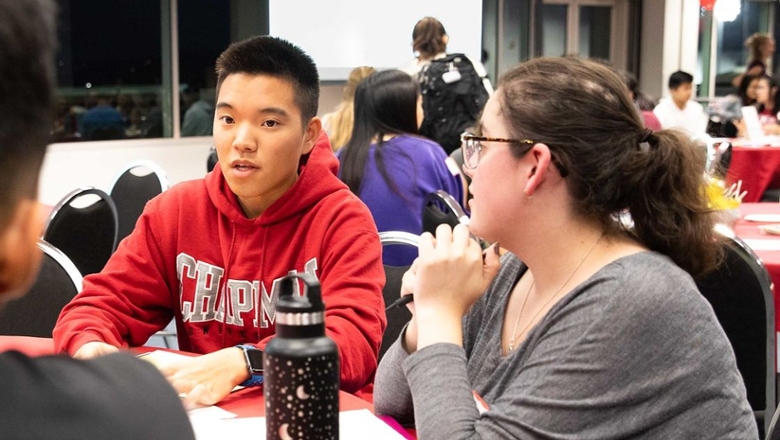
388	165
210	252
339	124
117	396
767	105
199	116
729	109
747	93
102	121
678	110
584	329
643	103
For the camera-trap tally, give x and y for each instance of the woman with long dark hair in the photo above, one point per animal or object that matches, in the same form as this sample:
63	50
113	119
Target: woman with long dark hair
387	164
587	327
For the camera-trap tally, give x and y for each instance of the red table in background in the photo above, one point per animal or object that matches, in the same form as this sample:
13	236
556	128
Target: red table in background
771	259
756	167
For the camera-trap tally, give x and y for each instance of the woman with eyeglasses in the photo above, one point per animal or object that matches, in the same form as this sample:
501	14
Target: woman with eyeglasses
767	104
586	328
388	165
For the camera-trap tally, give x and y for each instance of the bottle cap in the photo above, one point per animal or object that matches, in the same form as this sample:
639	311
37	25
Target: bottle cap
309	302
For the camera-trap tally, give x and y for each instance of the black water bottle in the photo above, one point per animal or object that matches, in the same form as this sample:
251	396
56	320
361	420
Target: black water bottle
301	367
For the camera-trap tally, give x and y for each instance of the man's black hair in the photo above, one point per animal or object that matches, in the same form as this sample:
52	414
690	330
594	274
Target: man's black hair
679	78
275	57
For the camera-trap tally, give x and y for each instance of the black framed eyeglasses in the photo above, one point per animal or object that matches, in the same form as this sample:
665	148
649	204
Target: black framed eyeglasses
472	146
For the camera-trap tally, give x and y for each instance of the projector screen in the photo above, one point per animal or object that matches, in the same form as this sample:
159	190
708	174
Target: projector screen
343	34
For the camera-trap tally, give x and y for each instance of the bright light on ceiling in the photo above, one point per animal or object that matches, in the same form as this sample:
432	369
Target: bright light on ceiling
727	10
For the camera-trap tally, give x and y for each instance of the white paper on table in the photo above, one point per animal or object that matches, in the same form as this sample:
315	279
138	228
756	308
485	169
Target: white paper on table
206	414
758	244
160	358
353	425
362	424
243	427
752	123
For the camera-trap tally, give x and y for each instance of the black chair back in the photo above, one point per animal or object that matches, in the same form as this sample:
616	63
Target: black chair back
86	234
134	186
35	313
441	207
740	293
397	317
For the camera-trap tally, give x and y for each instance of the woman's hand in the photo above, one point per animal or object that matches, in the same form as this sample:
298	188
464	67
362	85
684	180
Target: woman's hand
451	274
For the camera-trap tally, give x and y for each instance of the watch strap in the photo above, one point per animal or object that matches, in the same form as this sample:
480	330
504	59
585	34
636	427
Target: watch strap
255	378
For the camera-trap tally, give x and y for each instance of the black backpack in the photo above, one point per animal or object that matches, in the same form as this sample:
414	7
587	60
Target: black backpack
453	98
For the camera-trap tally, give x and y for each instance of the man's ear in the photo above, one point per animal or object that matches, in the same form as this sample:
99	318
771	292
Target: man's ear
539	159
19	254
311	135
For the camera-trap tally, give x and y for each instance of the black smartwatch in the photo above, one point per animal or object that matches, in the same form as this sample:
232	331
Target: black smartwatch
254	364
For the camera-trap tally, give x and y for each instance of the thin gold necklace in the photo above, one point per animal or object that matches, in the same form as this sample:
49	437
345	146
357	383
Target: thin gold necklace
515	334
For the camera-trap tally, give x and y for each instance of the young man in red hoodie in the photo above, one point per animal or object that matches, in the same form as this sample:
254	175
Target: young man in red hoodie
211	252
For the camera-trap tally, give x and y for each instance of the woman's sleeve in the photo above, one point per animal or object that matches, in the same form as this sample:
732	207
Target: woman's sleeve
392	395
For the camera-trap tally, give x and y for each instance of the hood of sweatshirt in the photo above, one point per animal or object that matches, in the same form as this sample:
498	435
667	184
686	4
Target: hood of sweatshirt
310	187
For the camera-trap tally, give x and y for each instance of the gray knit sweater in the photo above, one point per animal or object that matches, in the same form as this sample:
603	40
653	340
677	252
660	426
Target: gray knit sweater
633	352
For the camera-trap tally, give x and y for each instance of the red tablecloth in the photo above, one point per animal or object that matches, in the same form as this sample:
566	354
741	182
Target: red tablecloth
248	402
771	259
756	167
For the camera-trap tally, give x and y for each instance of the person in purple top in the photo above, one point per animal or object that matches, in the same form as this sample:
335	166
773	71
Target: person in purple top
388	165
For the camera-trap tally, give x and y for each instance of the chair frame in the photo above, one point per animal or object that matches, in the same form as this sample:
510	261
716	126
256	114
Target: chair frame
770	432
65	262
78	192
762	275
399	237
451	203
126	225
34	314
391	238
143	163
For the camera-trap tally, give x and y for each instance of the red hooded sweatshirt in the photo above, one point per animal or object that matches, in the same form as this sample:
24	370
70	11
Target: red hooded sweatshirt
195	256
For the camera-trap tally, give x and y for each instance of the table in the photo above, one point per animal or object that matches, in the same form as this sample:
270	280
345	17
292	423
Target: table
757	167
771	258
244	403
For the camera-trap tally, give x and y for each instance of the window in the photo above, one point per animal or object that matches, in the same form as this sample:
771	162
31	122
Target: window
722	52
588	28
120	68
109	70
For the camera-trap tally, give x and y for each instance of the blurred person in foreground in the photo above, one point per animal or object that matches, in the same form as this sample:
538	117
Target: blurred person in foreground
116	396
586	328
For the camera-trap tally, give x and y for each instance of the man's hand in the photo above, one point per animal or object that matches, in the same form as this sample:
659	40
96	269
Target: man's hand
94	349
207	379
